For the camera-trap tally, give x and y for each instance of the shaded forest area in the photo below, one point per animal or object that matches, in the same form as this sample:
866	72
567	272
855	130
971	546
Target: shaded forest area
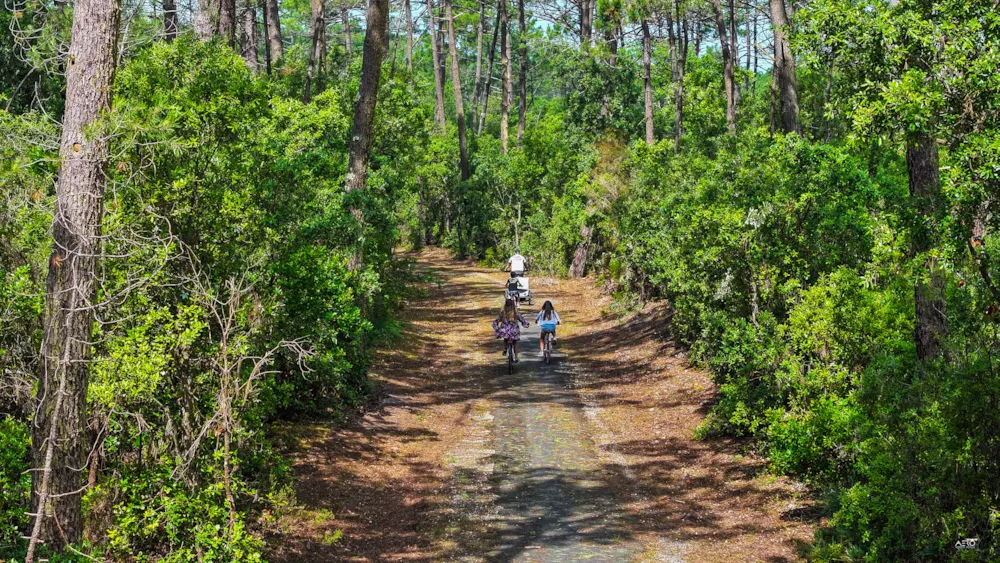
201	203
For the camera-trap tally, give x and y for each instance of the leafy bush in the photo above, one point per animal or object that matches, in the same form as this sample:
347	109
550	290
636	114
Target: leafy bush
15	484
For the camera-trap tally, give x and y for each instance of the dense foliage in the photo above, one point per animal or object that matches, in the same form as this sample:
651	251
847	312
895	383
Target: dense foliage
241	284
226	296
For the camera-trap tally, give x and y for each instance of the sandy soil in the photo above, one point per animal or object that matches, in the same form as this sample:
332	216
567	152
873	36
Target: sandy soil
588	459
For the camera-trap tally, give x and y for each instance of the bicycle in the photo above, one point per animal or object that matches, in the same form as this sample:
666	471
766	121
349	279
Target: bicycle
509	343
547	352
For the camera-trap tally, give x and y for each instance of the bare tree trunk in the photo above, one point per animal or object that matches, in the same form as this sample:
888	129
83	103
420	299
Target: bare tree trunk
672	46
749	46
373	52
206	20
273	28
227	21
682	69
59	426
697	39
435	59
612	41
579	265
647	75
925	196
170	20
409	37
505	91
479	58
734	47
456	83
586	24
315	53
442	60
727	61
488	87
345	16
248	34
522	78
784	70
395	45
268	66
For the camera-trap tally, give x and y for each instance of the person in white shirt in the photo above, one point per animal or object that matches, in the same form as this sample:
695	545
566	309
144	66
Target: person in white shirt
516	264
547	318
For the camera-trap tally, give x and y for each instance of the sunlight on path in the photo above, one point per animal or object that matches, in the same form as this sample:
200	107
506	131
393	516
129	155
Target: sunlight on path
530	484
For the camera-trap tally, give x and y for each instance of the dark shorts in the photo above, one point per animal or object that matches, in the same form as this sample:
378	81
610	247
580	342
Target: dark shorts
517	273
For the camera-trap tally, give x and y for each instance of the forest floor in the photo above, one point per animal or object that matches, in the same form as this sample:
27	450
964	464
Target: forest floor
590	458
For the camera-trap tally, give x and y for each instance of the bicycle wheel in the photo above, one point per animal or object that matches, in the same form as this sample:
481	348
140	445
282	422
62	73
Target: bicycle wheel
510	358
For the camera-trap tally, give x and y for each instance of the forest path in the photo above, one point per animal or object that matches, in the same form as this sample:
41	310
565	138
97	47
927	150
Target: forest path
587	459
546	491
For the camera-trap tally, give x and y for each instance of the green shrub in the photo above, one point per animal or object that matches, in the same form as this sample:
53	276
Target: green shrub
15	485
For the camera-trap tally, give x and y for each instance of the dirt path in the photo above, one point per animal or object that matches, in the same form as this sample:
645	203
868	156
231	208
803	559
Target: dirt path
587	459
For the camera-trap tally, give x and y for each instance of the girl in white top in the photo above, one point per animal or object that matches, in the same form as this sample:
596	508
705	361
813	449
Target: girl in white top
548	318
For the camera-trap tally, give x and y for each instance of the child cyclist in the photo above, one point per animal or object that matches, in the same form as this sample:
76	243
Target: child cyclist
547	318
508	326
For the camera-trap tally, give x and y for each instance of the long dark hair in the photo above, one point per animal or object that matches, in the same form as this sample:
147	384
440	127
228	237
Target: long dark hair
547	310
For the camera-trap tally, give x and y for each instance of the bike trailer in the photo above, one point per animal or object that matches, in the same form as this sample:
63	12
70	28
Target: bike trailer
524	289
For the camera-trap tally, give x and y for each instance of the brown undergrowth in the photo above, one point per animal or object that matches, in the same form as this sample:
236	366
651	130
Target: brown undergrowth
379	487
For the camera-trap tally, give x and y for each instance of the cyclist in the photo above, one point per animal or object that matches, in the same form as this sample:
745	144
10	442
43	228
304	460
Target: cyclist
511	291
547	318
508	326
516	264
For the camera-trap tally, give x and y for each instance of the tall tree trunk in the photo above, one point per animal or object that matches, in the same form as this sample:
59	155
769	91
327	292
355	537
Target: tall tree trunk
441	45
749	46
477	84
682	69
586	23
505	91
647	75
409	38
784	70
394	40
578	266
522	78
373	52
925	196
671	46
273	29
59	428
345	17
170	20
227	22
268	63
734	47
456	84
612	41
697	38
435	59
316	51
488	86
727	62
206	20
248	34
